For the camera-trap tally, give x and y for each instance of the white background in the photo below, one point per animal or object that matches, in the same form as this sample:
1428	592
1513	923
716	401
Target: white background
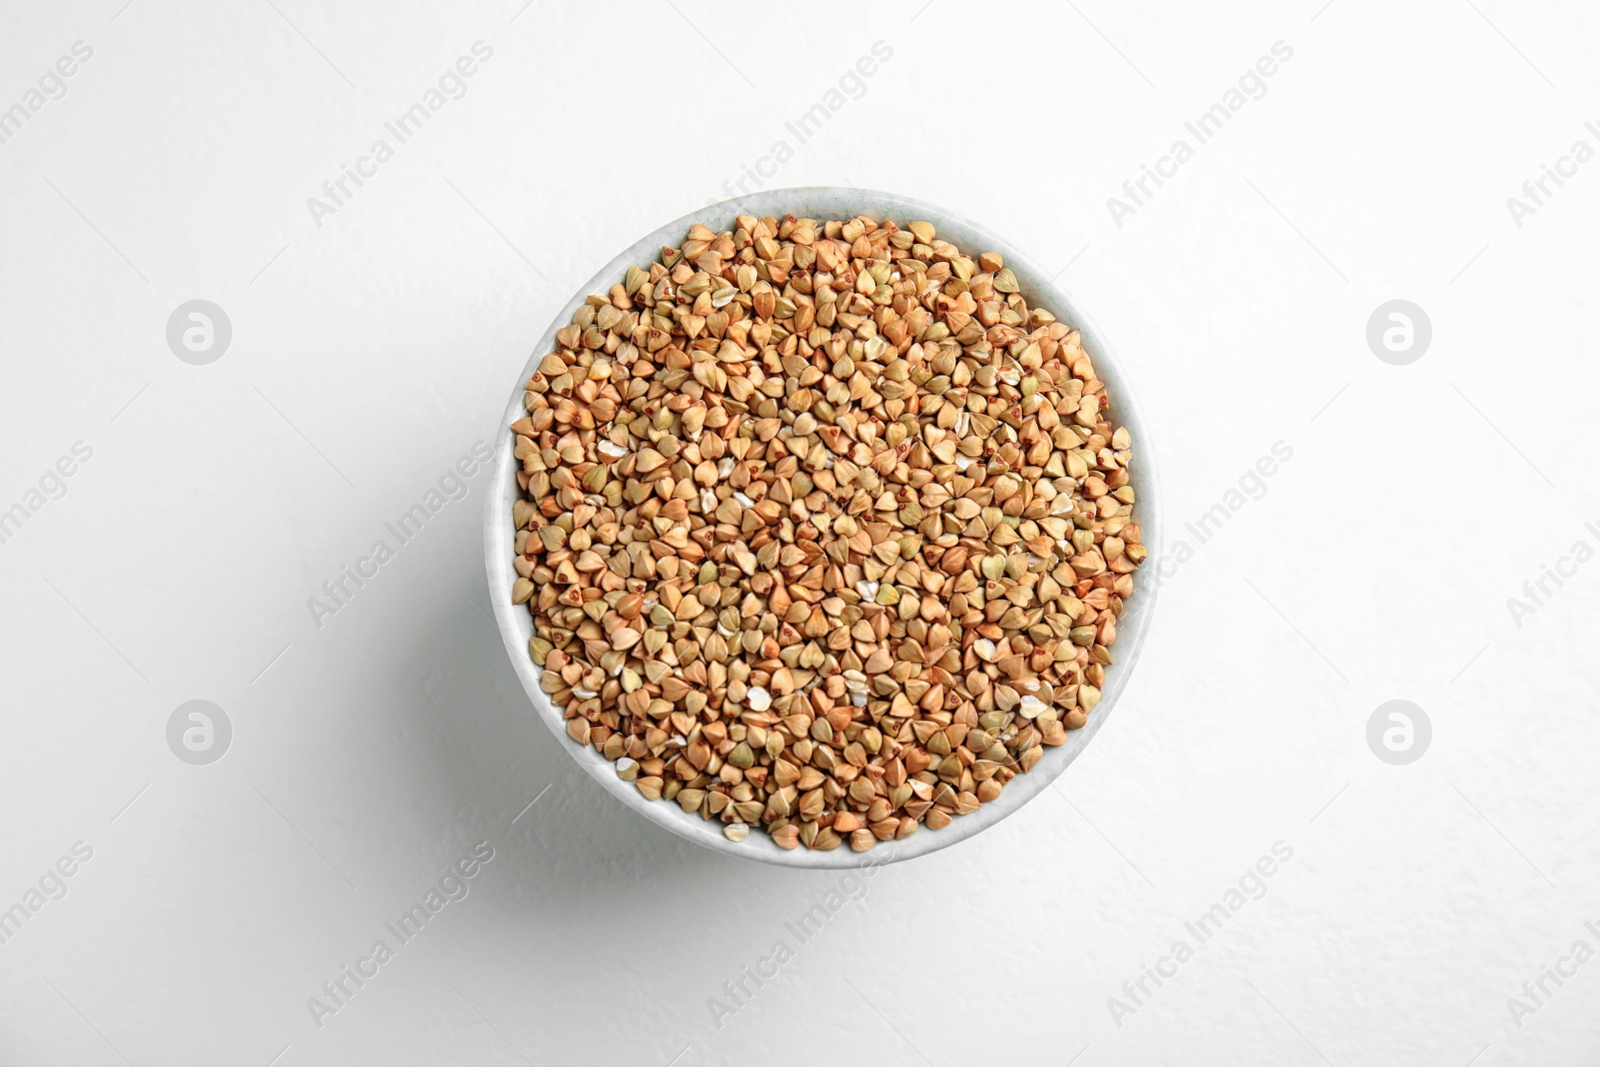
370	353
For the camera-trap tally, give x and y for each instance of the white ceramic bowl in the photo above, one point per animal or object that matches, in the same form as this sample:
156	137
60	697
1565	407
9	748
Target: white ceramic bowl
829	202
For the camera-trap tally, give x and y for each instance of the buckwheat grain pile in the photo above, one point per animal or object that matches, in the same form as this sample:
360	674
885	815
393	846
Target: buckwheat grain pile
825	530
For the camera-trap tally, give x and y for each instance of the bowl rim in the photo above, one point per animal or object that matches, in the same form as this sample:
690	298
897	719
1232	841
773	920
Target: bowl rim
823	201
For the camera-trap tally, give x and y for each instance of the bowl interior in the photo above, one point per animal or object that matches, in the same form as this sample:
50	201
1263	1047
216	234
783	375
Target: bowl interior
825	202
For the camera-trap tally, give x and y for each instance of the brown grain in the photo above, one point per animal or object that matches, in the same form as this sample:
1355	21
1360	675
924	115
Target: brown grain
825	530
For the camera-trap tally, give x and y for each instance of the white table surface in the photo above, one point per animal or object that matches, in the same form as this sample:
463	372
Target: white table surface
369	353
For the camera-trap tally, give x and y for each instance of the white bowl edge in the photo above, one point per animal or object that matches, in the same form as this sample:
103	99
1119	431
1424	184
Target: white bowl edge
824	202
